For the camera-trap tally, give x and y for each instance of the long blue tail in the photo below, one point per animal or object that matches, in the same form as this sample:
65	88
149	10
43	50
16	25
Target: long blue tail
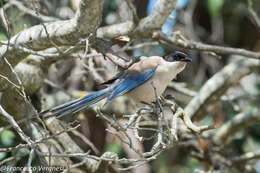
76	105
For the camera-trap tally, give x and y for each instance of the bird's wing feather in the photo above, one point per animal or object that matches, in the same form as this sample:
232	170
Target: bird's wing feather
131	81
113	79
122	73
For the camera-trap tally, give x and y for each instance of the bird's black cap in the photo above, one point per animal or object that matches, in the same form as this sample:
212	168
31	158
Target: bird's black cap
177	56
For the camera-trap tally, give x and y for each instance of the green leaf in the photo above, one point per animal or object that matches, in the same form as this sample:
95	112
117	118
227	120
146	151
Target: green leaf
2	36
214	6
7	138
21	153
2	155
114	147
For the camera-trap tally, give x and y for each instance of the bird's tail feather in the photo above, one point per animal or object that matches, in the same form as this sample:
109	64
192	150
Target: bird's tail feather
76	105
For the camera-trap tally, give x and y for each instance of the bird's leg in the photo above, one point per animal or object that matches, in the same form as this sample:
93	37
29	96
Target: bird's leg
161	117
158	104
169	100
154	106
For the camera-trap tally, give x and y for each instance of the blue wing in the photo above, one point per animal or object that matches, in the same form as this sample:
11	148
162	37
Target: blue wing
131	81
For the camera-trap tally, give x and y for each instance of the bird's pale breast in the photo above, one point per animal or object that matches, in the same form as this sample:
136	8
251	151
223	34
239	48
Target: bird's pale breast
146	92
165	73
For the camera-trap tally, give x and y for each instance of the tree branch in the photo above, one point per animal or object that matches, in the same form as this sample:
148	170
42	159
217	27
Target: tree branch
31	12
217	85
12	121
246	157
188	44
60	33
156	19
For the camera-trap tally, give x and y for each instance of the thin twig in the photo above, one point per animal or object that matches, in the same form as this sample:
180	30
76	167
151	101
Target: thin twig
45	28
133	10
12	121
188	44
87	155
31	12
68	51
29	163
42	140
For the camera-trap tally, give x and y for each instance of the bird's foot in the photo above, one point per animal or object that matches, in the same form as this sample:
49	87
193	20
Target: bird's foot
156	109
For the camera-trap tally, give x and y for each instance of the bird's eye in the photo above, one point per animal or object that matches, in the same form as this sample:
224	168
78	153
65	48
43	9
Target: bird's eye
175	56
178	57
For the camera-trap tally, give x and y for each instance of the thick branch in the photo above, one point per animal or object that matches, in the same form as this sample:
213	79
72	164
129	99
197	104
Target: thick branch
88	17
60	33
145	27
156	19
246	157
31	12
115	30
217	85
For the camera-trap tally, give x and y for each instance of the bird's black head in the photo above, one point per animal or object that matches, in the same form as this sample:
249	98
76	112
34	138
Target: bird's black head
177	56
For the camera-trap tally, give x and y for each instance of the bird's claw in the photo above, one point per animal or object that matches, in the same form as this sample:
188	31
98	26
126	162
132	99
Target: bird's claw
156	110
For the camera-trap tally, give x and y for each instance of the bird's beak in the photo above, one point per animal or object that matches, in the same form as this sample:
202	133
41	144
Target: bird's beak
123	38
186	59
183	57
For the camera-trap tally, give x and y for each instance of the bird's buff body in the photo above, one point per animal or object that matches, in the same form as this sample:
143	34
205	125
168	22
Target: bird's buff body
139	82
164	74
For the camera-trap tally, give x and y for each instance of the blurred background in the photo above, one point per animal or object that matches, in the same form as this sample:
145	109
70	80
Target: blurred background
217	22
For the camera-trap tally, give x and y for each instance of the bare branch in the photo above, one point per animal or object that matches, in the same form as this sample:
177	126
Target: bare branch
45	54
61	33
146	25
246	157
115	30
156	19
31	12
38	141
133	10
218	84
29	163
12	121
188	44
87	155
88	16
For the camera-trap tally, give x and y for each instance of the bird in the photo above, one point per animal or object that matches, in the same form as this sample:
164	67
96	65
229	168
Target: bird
138	82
